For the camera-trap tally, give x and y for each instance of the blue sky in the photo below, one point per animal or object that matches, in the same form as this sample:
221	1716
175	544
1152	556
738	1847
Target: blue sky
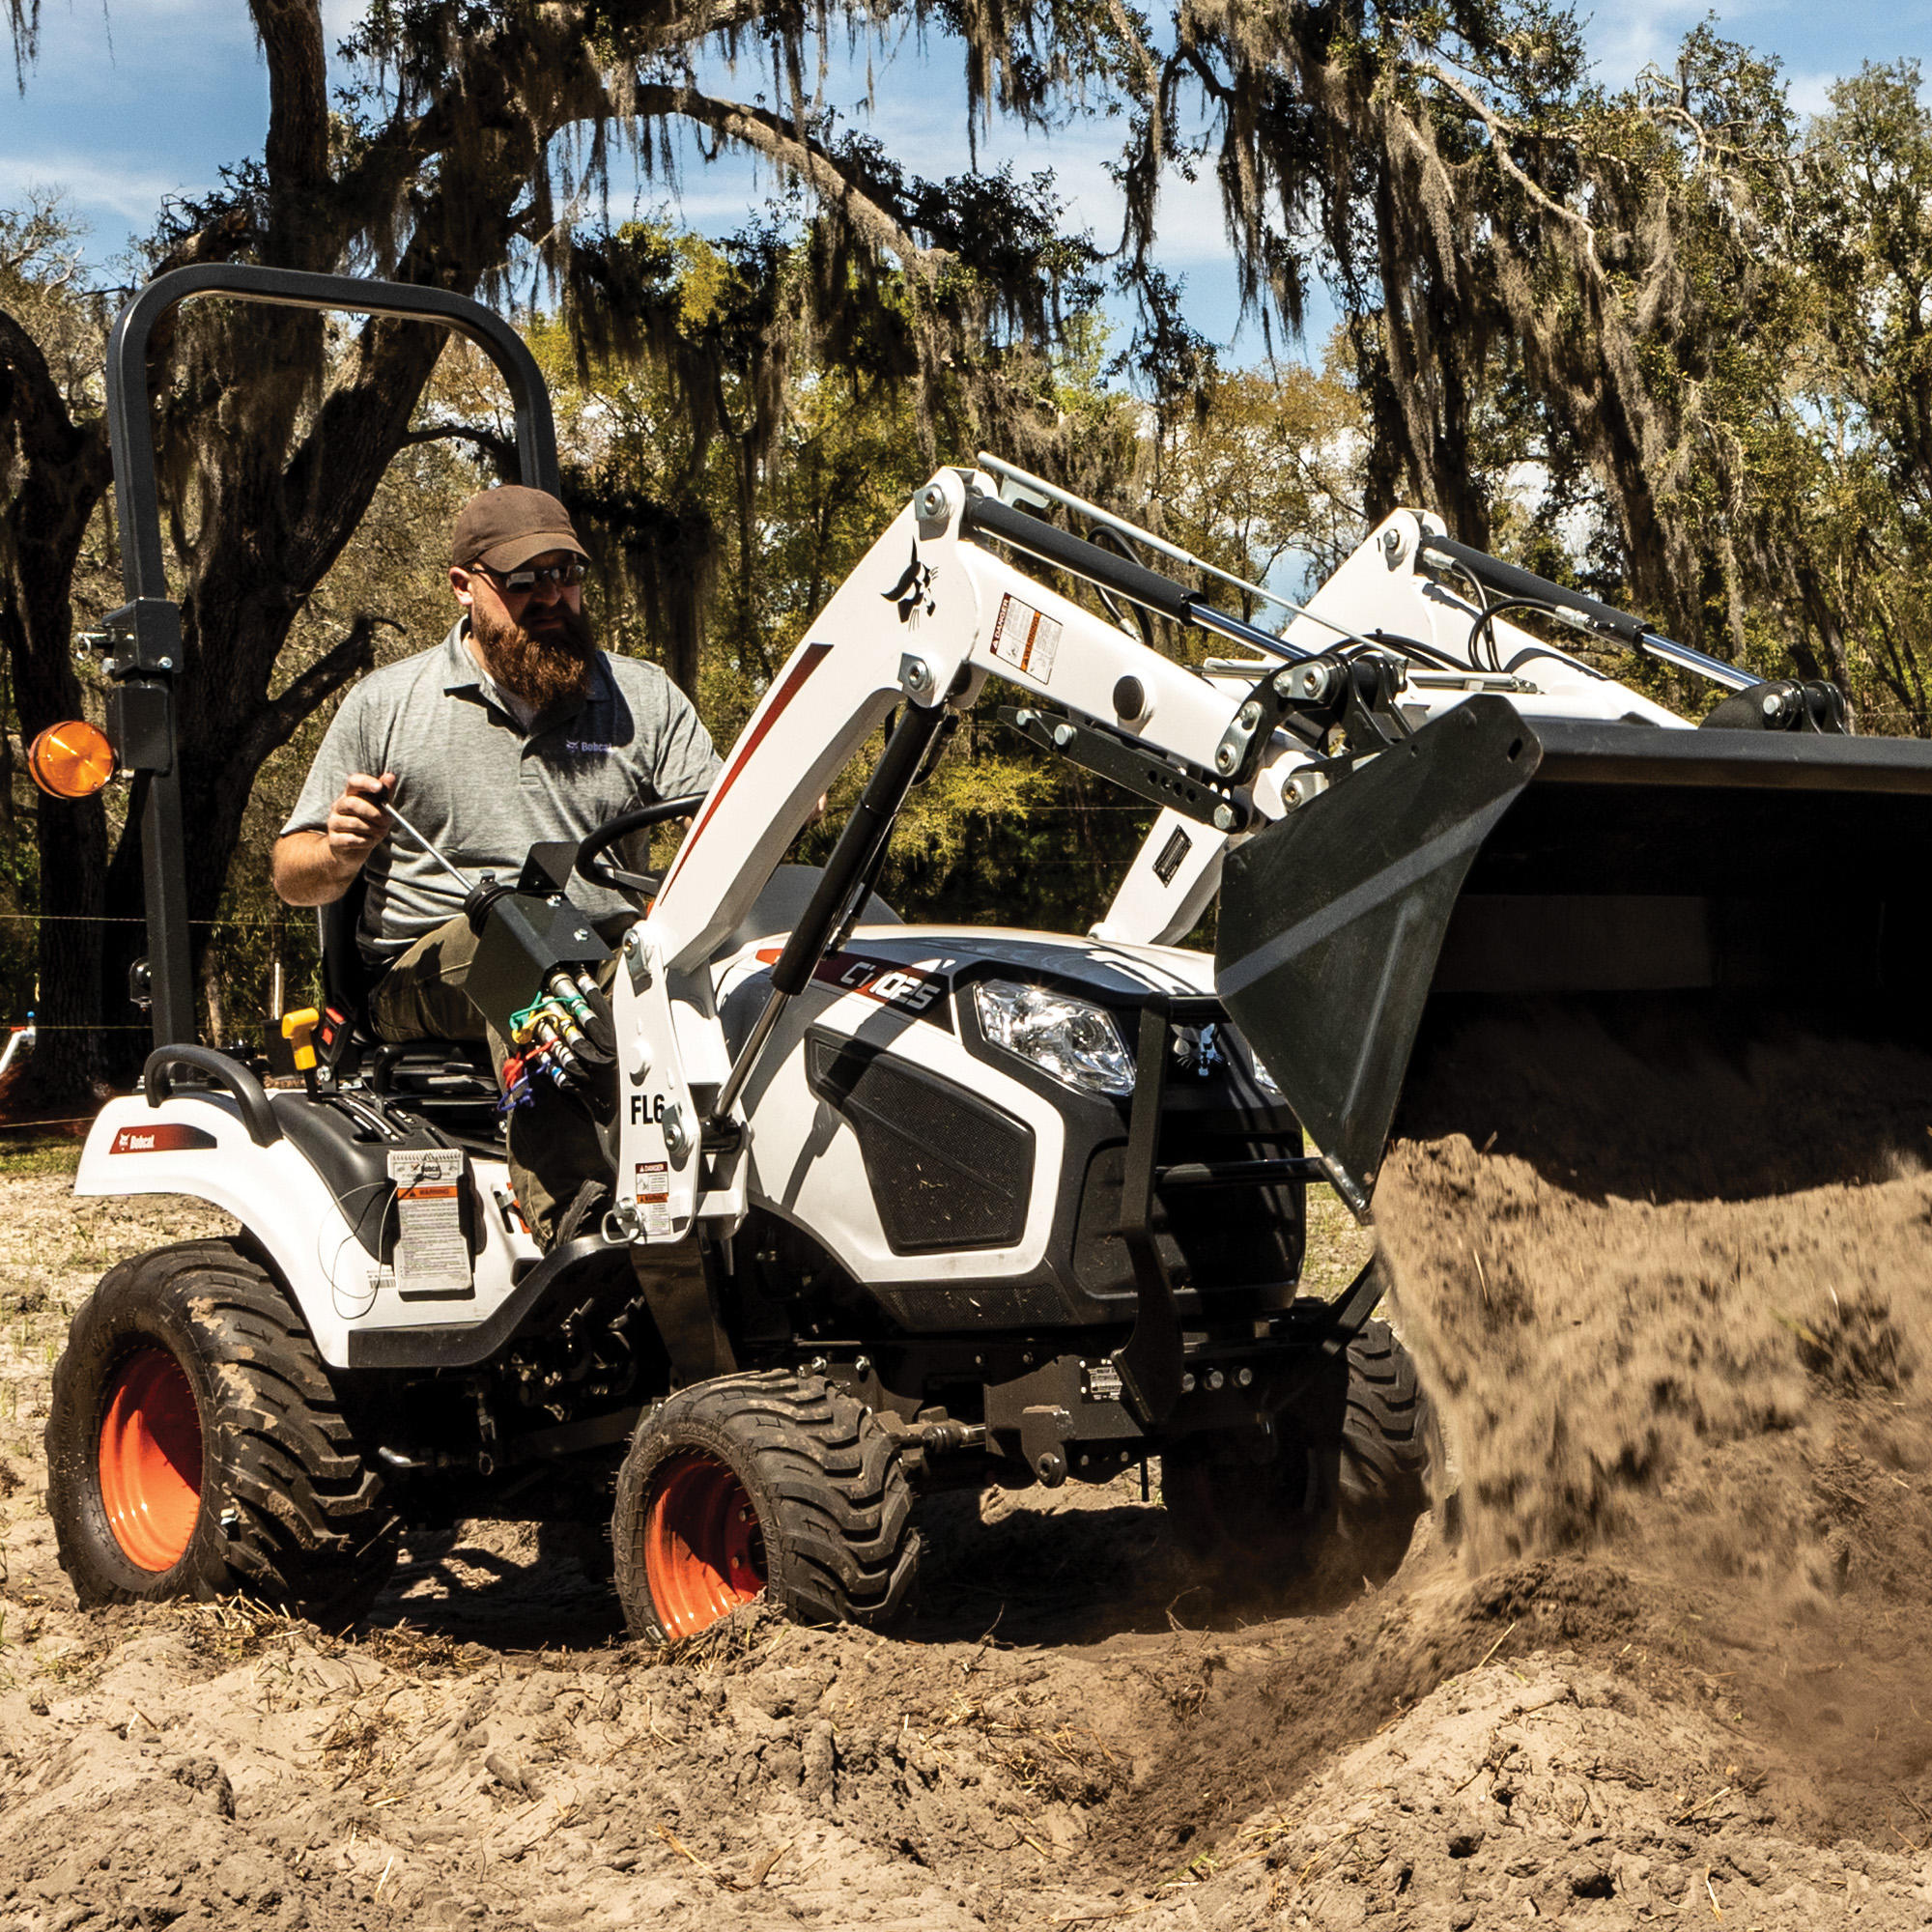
141	98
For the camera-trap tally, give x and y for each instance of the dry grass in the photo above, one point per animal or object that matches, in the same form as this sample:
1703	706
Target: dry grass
1338	1249
31	1150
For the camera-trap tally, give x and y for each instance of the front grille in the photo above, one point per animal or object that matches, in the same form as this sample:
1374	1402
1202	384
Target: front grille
1208	1238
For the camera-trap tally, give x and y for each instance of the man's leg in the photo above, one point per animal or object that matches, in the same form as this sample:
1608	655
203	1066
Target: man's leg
553	1145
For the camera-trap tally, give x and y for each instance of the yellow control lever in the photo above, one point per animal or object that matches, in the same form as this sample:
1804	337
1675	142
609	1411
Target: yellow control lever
298	1028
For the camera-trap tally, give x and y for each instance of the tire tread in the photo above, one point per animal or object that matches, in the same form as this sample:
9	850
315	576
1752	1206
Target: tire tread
311	1529
846	1548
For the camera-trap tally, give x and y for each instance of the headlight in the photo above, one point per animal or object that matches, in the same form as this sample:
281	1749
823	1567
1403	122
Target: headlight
1077	1044
1263	1079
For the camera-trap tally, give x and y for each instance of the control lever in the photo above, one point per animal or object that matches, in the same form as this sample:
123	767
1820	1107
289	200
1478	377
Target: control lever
565	1032
455	871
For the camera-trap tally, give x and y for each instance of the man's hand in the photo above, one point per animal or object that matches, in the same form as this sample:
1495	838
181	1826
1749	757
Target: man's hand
357	821
317	867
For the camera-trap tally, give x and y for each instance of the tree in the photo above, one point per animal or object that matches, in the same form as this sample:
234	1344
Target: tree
1866	228
459	156
51	339
1509	247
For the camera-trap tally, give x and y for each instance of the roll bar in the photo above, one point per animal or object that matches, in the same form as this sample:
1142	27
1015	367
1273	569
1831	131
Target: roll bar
144	635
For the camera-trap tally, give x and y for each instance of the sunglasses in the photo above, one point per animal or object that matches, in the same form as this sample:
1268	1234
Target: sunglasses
562	576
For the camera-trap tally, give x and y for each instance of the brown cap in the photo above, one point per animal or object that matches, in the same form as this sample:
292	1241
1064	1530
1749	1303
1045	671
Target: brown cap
503	529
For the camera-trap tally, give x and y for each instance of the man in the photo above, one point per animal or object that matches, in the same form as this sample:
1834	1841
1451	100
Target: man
514	730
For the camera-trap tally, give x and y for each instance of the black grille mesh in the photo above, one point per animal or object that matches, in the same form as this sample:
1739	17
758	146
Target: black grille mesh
947	1170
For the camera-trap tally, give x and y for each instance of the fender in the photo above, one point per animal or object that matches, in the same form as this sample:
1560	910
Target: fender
195	1143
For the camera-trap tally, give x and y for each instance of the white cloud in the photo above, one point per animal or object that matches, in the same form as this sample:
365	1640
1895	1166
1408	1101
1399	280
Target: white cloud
1810	93
1638	34
97	185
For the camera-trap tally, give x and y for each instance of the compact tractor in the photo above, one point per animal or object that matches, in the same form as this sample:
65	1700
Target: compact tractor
893	1208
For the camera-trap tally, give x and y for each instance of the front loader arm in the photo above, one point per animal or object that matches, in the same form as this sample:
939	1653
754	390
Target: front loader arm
925	619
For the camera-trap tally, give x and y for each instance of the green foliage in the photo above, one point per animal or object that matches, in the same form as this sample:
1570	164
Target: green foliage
1660	340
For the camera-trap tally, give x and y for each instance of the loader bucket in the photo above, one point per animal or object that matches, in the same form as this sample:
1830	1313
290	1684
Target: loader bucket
1493	859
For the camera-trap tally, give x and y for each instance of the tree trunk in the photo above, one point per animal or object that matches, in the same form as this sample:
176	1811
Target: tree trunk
63	473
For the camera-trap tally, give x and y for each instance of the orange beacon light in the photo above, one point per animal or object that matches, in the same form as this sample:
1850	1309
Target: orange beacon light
73	759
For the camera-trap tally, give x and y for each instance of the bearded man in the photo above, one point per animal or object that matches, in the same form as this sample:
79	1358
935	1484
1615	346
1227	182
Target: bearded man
515	729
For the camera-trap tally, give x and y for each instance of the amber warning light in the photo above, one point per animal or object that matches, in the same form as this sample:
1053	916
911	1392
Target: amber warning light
71	760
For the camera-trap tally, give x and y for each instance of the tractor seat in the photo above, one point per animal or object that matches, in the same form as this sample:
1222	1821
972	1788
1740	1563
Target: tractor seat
450	1082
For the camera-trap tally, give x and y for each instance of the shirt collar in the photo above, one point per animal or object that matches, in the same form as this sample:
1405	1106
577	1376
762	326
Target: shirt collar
460	671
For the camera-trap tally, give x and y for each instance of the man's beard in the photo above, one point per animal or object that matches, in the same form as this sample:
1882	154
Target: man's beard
541	668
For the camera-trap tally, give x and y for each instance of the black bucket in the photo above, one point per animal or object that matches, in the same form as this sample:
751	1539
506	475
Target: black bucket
1491	858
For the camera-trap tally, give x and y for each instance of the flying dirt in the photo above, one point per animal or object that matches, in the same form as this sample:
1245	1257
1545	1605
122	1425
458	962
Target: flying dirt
1676	1304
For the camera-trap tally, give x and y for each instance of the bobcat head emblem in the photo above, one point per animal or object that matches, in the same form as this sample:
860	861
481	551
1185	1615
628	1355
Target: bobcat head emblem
912	593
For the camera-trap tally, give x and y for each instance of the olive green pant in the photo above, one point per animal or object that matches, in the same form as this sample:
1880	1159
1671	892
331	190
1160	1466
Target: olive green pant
555	1146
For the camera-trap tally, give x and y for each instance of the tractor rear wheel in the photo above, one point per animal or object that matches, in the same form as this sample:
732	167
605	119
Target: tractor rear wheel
1341	1493
196	1446
771	1483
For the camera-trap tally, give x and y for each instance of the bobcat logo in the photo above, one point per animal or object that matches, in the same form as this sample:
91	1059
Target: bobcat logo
912	593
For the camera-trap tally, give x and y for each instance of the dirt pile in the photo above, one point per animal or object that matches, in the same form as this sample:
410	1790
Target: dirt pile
1071	1731
208	1765
1678	1306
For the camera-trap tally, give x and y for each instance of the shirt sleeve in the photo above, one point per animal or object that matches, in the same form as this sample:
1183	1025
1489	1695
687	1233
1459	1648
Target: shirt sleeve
687	760
343	750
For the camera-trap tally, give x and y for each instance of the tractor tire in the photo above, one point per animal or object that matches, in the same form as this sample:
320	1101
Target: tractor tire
195	1447
1342	1493
769	1483
1387	1447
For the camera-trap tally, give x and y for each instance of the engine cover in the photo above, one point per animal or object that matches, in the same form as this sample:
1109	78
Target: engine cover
948	1182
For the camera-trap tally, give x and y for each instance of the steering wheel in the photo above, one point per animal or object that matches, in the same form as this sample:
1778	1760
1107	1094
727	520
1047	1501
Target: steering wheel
590	853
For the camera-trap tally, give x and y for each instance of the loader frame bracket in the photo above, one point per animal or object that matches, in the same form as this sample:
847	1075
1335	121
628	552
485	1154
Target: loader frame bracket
1312	699
1160	778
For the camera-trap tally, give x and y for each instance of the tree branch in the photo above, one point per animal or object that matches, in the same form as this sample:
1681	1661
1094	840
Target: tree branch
500	449
297	151
279	721
778	140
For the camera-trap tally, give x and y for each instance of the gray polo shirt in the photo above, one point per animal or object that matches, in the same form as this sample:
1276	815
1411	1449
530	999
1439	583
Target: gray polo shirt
487	790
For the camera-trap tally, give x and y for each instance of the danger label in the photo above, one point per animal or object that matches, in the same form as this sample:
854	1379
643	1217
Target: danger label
432	1256
1026	638
654	1195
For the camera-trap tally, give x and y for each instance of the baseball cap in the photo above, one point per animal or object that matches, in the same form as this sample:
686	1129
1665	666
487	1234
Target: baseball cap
503	529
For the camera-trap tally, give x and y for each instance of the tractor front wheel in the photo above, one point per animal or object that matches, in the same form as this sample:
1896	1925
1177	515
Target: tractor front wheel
196	1446
769	1483
1337	1500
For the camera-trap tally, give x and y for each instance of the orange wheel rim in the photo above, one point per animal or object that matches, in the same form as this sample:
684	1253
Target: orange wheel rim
704	1551
151	1459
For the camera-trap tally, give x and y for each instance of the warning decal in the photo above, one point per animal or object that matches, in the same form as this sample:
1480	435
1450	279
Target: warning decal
432	1255
1026	638
654	1195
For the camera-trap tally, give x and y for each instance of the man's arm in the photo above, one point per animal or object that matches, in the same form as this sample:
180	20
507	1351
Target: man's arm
312	869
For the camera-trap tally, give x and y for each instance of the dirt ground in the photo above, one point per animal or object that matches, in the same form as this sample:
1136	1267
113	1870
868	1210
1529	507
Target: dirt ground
1677	1669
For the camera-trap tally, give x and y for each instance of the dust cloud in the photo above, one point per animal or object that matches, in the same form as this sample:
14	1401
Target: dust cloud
1674	1299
